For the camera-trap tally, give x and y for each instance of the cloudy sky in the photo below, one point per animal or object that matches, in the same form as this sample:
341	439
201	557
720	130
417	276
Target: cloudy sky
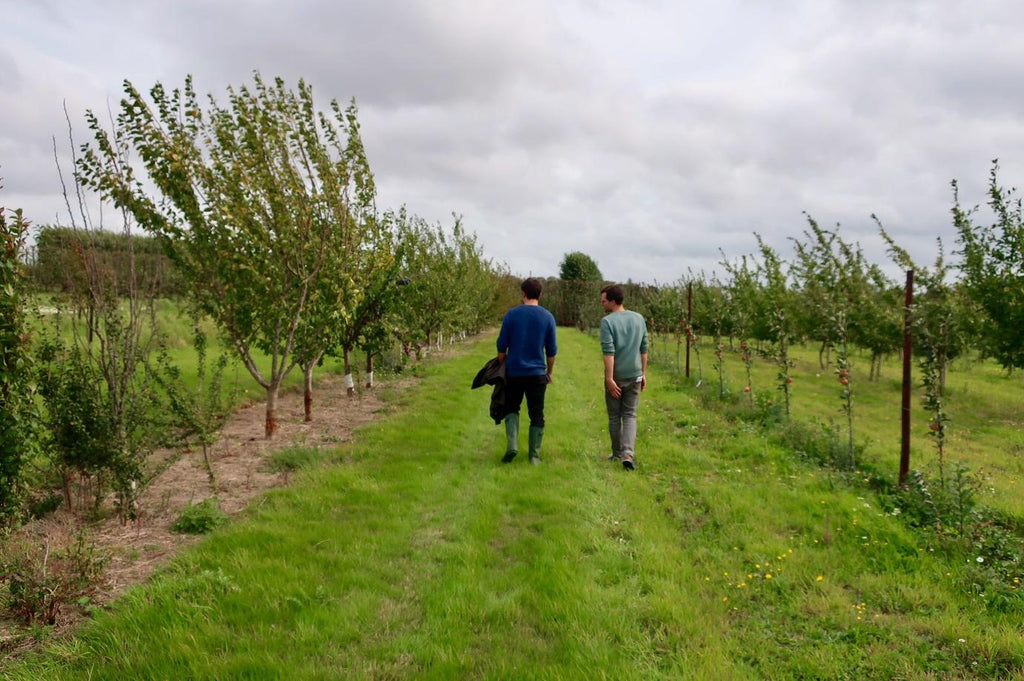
651	135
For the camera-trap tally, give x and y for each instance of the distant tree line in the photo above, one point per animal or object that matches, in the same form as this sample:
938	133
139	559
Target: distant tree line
57	263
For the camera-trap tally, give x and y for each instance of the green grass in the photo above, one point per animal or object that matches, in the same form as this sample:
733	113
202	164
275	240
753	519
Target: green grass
986	431
416	554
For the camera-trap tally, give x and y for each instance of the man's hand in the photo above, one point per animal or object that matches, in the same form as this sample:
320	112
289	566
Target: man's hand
643	383
613	388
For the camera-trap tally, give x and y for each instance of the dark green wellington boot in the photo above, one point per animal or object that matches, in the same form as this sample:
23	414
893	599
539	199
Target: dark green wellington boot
512	436
536	437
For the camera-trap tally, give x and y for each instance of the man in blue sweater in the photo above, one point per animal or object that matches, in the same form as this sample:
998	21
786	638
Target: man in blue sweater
526	343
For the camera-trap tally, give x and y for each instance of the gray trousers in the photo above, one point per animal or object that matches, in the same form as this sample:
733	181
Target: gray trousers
622	418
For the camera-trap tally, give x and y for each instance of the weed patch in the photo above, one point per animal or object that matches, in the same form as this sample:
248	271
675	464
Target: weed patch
40	577
292	459
200	518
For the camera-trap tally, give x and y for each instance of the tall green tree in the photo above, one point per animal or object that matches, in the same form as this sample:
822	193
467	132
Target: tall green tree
579	288
993	268
16	403
578	266
254	199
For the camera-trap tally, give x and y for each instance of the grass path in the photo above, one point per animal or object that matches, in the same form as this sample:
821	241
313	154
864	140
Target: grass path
417	554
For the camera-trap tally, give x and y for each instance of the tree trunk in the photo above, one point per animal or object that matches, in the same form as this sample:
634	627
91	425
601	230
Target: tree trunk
307	386
65	478
349	384
307	396
271	425
369	370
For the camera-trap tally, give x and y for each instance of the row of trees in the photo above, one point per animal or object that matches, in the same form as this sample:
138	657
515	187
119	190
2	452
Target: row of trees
264	212
267	208
55	262
829	294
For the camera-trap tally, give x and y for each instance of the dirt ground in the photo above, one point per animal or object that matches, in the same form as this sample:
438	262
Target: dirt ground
240	463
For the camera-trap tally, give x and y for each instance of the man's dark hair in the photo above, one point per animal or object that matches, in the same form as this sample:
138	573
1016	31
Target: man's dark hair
532	288
613	292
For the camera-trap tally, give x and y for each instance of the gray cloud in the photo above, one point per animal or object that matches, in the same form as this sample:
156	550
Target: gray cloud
648	134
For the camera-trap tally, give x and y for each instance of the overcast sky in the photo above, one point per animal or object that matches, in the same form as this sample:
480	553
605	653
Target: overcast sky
648	134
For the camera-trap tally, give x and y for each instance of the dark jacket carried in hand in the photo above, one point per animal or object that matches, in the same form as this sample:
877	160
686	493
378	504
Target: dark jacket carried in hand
493	373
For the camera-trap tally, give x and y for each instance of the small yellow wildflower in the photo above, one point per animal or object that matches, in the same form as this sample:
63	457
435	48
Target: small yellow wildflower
819	578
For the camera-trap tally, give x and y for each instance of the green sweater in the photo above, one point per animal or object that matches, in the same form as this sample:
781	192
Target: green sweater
624	335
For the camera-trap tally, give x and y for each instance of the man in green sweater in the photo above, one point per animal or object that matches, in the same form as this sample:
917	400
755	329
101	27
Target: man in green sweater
624	346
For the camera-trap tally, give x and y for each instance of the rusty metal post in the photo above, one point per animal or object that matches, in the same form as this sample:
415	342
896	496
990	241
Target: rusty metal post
908	348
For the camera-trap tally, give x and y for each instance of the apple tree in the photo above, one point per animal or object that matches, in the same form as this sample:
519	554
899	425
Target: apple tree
993	269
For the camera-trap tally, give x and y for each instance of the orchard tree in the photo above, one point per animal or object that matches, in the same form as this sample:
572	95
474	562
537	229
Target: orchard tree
871	304
379	308
817	278
113	331
744	295
347	294
779	314
452	289
426	309
993	268
16	402
476	296
664	307
942	317
254	199
367	324
840	290
580	285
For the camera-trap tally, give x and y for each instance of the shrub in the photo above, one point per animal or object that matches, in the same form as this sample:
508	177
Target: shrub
200	518
817	442
17	407
40	579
